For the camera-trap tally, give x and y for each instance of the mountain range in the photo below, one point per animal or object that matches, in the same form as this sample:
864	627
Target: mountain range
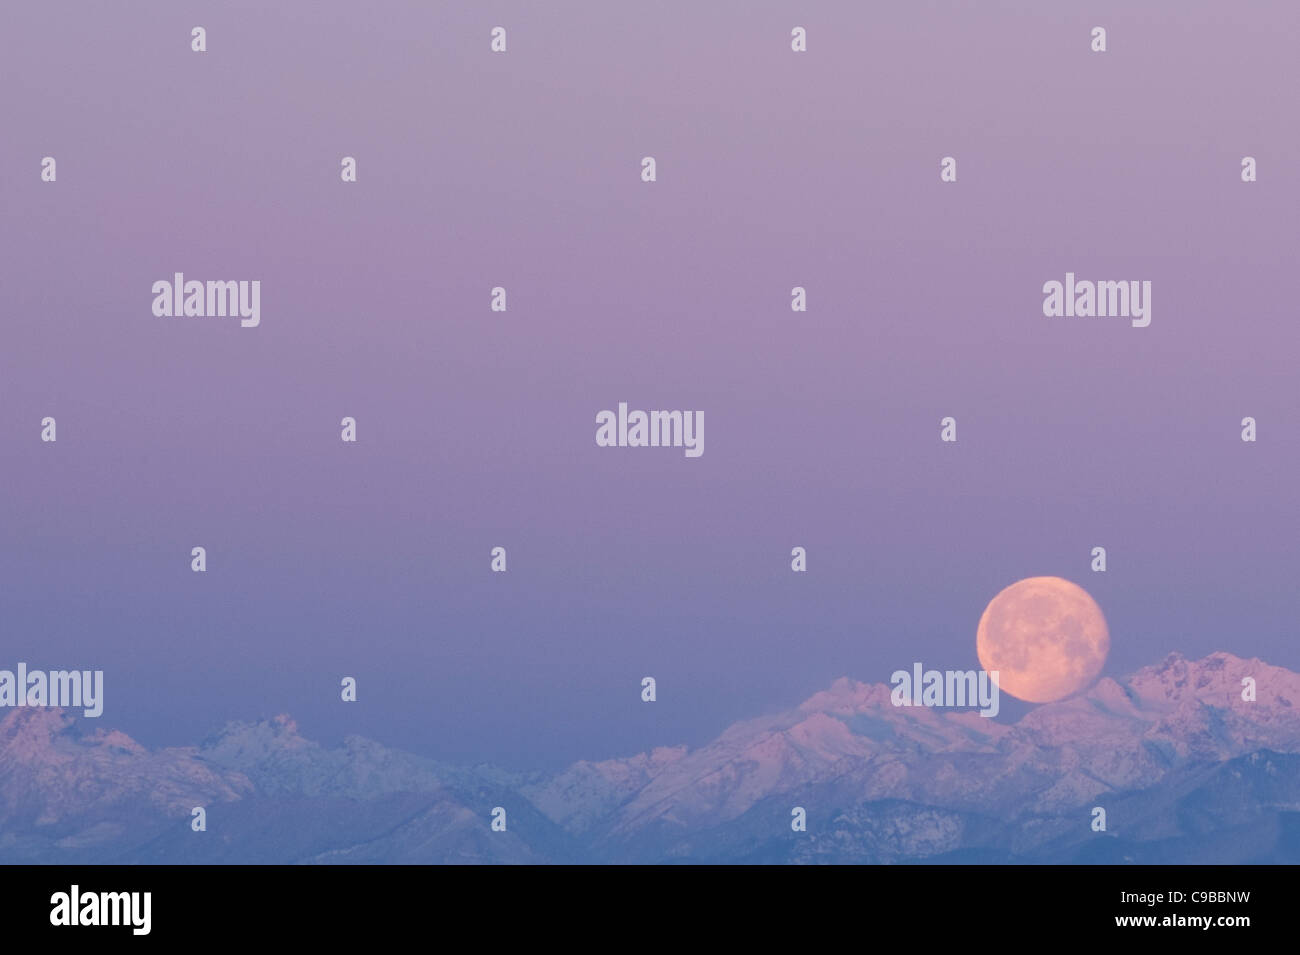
1185	769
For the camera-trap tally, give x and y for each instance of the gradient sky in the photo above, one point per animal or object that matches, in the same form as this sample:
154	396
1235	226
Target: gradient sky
477	429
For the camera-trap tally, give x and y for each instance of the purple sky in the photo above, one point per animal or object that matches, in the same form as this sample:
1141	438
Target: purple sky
477	429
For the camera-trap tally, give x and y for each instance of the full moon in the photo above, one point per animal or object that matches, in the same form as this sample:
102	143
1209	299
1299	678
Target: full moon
1045	636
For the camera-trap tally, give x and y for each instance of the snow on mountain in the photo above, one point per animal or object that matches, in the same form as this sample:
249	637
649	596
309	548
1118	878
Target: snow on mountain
69	793
851	740
1173	752
280	760
64	787
52	768
586	793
